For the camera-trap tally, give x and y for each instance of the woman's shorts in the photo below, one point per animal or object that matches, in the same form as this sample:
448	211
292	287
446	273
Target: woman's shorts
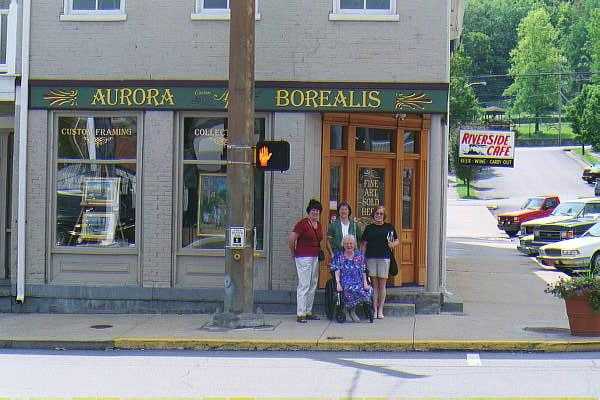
378	267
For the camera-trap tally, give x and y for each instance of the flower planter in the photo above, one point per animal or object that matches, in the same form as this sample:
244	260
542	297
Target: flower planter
583	321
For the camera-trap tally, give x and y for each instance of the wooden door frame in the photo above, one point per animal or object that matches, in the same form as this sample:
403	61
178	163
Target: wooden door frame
399	122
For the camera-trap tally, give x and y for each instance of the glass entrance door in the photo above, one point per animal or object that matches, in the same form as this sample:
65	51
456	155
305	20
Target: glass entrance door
373	188
407	233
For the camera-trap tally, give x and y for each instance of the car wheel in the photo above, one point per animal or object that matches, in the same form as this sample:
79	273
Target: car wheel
595	263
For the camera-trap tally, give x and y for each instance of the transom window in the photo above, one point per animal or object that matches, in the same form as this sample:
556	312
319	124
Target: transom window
94	6
364	6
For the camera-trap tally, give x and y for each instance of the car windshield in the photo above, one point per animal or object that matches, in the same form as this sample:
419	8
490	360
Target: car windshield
593	231
533	204
568	209
591	210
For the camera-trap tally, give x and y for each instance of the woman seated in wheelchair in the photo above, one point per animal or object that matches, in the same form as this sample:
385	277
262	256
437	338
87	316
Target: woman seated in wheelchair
351	279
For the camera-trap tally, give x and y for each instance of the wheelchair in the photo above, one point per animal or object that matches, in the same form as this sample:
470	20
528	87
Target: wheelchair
334	302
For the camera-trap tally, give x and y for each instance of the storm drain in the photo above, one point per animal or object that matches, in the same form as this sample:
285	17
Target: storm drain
101	326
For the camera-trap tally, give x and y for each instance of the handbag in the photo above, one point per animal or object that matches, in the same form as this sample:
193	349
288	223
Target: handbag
393	266
321	255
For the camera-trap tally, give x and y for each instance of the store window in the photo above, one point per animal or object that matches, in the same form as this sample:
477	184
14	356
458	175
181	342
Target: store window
96	181
215	9
204	184
365	7
94	6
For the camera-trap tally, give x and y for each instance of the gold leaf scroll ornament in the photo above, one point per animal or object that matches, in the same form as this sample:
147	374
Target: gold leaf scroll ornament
61	97
411	101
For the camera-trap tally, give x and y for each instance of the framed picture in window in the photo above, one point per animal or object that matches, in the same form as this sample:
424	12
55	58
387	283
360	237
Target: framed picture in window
212	205
101	192
98	226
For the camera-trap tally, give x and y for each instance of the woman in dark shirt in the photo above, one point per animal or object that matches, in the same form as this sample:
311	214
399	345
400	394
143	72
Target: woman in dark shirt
378	240
305	243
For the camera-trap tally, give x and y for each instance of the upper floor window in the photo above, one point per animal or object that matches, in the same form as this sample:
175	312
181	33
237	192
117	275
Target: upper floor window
384	10
215	9
96	9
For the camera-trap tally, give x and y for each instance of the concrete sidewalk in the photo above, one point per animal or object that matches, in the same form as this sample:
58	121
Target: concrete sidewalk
420	333
505	309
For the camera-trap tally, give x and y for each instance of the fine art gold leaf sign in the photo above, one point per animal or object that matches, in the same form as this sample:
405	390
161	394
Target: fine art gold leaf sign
412	101
60	97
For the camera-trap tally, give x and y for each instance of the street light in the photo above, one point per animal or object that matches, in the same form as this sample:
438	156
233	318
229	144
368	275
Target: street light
482	83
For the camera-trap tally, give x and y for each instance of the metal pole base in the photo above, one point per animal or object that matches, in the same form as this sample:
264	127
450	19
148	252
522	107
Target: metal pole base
238	321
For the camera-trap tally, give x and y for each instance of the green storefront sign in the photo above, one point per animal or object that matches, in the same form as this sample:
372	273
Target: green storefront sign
214	98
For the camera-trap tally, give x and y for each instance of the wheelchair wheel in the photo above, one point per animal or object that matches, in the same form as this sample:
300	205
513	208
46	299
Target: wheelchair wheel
340	315
330	299
368	309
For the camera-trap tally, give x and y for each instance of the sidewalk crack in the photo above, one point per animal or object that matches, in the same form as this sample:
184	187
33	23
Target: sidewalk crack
323	333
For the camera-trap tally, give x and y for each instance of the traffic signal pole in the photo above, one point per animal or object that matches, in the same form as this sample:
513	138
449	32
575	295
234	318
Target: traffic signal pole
239	259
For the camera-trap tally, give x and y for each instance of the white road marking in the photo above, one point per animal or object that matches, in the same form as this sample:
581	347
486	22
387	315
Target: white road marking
473	360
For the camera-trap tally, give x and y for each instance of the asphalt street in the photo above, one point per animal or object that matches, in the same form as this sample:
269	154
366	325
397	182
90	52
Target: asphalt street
537	171
177	374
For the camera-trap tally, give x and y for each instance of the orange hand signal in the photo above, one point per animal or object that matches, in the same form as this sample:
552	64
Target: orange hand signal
264	156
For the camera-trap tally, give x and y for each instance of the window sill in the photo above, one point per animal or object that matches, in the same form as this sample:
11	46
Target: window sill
364	17
216	17
93	17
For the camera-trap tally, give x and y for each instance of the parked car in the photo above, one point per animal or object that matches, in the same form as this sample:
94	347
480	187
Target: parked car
581	252
534	207
597	188
591	174
555	227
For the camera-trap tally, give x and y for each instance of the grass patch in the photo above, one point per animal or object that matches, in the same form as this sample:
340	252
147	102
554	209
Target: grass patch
461	189
587	157
547	131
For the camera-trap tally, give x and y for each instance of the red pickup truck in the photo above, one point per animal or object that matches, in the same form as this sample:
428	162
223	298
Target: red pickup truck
534	207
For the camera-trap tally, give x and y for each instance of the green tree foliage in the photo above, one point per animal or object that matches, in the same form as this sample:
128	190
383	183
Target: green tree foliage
584	114
533	61
593	28
574	112
498	20
464	109
590	121
573	36
478	46
467	173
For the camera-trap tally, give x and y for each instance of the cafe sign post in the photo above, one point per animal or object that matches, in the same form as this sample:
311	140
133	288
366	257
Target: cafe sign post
486	148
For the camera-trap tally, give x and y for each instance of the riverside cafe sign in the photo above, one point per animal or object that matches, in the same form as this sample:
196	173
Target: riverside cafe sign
491	148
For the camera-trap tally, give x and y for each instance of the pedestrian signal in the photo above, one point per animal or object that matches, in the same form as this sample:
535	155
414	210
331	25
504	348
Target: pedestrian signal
273	156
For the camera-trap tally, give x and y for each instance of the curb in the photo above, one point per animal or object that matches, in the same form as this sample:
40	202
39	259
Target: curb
167	343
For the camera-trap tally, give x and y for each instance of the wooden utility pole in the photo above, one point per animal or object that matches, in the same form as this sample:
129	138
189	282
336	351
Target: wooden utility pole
239	262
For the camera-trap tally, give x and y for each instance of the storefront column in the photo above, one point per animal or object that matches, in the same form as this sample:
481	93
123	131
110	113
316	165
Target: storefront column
438	186
157	204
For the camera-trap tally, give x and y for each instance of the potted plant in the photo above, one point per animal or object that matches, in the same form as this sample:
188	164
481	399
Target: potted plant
582	299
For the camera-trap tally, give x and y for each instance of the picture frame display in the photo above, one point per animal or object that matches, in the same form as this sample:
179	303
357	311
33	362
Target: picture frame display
98	226
101	192
212	205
